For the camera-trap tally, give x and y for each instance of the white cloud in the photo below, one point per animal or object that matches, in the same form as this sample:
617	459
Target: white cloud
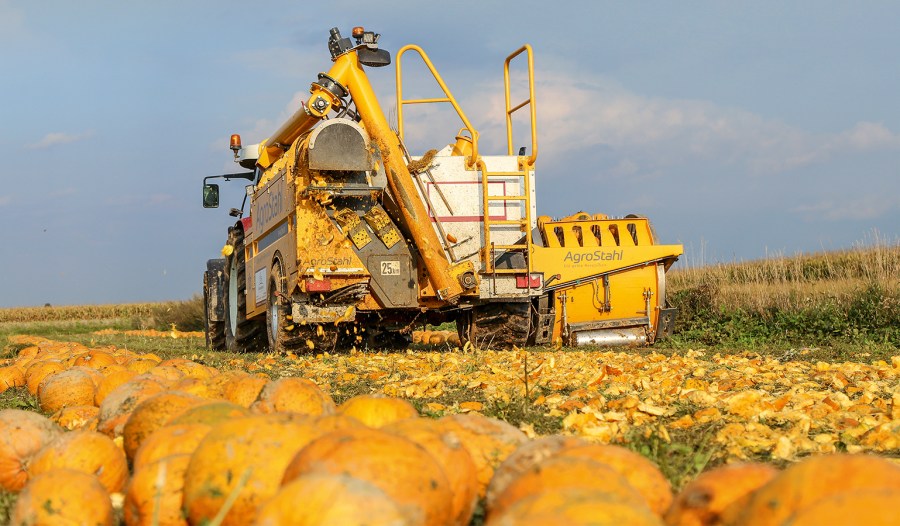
644	135
57	138
859	209
5	200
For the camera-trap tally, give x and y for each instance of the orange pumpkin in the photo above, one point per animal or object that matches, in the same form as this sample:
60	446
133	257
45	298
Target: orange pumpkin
247	456
453	457
63	496
377	410
166	374
152	414
139	364
87	451
871	508
487	439
111	380
574	506
154	493
170	440
210	413
66	388
118	404
293	395
95	359
399	467
560	472
704	500
813	479
11	376
188	368
38	370
22	435
243	390
77	417
642	474
330	499
525	457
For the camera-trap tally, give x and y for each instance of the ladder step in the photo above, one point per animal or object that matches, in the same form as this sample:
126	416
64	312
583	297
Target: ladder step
520	222
506	198
510	247
503	174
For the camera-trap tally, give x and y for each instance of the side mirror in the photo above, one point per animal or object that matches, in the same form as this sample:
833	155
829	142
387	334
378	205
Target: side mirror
210	195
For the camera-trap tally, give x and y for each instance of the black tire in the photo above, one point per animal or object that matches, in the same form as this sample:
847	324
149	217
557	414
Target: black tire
497	325
215	330
241	334
276	310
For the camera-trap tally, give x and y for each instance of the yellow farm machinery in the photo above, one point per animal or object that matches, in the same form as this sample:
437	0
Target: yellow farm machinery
345	238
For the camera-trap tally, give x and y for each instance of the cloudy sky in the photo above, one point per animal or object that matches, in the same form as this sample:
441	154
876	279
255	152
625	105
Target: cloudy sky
740	129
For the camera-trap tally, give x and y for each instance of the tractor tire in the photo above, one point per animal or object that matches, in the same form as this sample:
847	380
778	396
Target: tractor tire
215	330
276	311
497	325
241	334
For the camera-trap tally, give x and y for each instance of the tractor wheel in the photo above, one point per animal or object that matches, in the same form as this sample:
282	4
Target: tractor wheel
241	334
276	311
497	325
215	330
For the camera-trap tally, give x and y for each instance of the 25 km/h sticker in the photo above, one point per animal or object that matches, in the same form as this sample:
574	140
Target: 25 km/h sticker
390	268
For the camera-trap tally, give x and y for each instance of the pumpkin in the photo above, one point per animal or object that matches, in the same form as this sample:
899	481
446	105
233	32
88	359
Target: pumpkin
87	451
704	500
168	375
377	410
112	379
243	390
246	457
66	388
293	395
869	507
567	472
399	467
11	376
189	368
181	439
63	496
211	414
139	365
330	499
77	417
487	439
525	457
95	359
38	370
154	493
642	474
152	414
813	479
22	434
574	506
118	404
453	457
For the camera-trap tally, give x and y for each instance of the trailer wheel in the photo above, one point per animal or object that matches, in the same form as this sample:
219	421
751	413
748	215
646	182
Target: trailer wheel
276	311
241	334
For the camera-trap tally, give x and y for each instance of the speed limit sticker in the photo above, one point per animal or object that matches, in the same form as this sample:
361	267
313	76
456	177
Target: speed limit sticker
390	268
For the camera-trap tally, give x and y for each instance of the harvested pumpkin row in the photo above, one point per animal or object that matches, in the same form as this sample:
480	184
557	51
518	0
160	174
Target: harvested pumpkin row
181	443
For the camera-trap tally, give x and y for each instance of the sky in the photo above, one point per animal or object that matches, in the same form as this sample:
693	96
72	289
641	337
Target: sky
743	130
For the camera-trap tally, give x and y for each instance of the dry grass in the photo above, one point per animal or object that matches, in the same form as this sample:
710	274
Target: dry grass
790	282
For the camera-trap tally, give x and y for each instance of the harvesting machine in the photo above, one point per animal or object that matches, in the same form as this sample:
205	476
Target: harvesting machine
345	238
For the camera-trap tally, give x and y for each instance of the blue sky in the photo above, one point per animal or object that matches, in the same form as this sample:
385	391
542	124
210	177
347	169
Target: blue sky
740	129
